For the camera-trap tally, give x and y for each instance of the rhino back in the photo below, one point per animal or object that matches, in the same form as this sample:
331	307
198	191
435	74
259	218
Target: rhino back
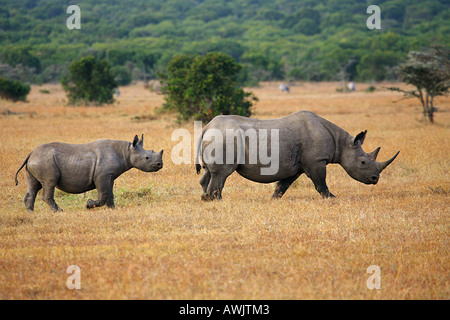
304	139
75	165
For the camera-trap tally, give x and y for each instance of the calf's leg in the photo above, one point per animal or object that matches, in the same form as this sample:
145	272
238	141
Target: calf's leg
33	186
105	193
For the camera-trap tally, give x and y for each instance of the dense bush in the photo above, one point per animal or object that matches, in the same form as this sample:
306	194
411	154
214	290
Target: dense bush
202	87
90	81
13	89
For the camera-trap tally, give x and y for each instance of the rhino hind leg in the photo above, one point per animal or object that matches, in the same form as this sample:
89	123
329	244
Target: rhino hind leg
219	174
204	182
215	187
33	186
283	185
48	193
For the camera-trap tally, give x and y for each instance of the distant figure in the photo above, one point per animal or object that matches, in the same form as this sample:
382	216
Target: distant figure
284	88
351	86
117	92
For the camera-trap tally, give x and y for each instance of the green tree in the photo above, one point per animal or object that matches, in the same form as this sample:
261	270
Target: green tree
202	87
378	65
429	73
21	55
13	90
121	75
90	81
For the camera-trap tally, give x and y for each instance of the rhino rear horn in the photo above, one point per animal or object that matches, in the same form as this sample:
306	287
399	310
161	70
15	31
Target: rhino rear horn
374	153
384	164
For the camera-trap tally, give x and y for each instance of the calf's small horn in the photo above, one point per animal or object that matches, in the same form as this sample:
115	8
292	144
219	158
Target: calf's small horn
384	164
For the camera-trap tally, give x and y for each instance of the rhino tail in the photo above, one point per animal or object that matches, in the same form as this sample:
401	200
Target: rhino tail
198	155
23	165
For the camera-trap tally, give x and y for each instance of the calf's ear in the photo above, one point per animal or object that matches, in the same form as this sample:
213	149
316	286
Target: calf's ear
360	137
135	141
161	152
141	141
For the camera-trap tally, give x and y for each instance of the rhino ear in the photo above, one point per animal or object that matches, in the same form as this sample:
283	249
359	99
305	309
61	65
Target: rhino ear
135	141
161	152
360	137
141	141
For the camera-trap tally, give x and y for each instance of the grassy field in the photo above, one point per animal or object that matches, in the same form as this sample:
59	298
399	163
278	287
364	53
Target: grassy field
163	242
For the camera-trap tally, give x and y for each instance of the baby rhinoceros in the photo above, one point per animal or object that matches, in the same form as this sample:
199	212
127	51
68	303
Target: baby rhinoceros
77	168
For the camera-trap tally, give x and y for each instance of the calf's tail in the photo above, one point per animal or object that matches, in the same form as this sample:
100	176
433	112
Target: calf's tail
23	165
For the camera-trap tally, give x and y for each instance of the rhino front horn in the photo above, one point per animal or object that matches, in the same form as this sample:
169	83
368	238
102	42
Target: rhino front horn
383	165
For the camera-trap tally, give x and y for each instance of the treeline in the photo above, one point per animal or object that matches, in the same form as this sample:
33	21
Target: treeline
271	39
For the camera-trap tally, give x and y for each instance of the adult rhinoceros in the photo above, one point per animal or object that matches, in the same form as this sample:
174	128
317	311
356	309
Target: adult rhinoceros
306	144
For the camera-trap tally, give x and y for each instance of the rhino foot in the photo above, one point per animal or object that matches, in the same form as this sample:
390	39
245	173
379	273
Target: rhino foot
328	195
90	204
206	197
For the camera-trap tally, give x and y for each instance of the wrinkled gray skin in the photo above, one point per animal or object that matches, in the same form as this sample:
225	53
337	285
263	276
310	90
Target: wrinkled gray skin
307	144
77	168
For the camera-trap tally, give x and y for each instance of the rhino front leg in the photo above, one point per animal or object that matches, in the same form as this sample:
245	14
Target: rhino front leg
283	185
105	193
318	176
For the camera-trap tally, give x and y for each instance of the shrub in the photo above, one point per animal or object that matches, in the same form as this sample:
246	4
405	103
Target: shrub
370	89
13	89
202	87
90	80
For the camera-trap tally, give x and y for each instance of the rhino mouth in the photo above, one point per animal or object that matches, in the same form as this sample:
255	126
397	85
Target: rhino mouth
371	180
156	167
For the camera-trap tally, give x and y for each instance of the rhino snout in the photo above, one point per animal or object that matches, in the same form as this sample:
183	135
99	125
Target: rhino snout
374	179
158	165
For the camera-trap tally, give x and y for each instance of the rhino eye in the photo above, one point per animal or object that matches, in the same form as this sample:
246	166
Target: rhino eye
146	158
363	162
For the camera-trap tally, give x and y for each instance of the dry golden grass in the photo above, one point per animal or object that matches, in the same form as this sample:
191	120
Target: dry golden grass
163	242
